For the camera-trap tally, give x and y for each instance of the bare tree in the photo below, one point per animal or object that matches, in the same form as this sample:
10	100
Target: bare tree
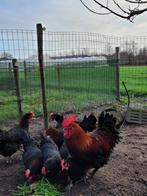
126	9
6	56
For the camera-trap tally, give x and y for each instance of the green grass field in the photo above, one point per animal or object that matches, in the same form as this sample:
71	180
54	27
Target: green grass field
135	78
69	88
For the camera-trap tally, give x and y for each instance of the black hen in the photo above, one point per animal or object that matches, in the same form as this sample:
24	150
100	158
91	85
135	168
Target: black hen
88	124
73	169
51	157
58	118
10	141
56	133
32	158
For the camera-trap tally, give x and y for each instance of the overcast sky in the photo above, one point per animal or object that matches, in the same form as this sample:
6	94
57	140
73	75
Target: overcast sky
65	15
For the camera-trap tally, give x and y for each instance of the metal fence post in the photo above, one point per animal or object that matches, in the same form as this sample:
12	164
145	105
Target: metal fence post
117	74
10	72
41	68
17	85
58	76
25	71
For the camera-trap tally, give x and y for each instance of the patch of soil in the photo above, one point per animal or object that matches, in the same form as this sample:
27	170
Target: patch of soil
124	175
126	172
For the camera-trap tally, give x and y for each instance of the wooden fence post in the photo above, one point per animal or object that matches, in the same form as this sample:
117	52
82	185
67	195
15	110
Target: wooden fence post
41	67
25	71
117	74
17	85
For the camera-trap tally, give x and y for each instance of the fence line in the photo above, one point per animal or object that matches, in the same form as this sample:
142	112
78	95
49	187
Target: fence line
80	70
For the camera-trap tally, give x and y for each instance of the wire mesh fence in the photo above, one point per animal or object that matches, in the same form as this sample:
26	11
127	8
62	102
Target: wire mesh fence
77	71
79	68
20	45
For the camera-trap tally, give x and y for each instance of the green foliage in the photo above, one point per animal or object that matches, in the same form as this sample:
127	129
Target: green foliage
43	188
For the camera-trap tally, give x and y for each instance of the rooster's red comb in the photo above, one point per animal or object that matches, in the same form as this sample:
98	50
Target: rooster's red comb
68	119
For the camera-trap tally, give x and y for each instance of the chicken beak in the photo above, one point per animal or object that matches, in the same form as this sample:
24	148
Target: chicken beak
43	171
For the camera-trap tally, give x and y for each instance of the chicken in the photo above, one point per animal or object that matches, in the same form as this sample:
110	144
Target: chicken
88	124
91	150
51	157
51	163
10	141
64	152
32	159
58	118
73	168
102	116
56	133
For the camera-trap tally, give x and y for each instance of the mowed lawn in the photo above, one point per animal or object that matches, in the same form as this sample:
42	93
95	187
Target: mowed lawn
135	78
69	88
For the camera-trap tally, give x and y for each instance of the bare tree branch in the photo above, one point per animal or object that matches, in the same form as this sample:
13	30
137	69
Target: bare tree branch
94	11
128	13
136	1
120	7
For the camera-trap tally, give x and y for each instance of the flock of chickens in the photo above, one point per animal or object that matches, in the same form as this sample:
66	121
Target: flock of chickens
70	151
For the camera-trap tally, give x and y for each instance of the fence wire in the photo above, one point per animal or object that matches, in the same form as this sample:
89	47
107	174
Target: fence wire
80	70
20	45
77	72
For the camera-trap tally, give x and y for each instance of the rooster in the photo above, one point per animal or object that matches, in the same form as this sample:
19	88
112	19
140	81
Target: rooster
10	141
92	150
88	124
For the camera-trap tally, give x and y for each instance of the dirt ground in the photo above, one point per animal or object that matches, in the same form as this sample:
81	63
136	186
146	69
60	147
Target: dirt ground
124	175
